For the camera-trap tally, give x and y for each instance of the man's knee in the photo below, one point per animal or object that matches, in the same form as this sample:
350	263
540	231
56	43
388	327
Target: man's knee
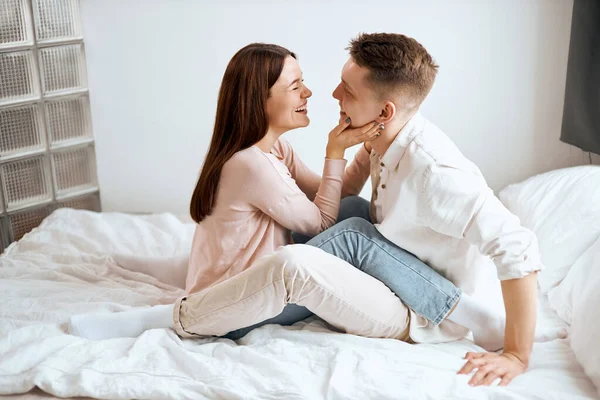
355	225
354	206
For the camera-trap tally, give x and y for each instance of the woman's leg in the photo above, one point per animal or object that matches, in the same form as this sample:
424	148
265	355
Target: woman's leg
296	274
421	288
351	206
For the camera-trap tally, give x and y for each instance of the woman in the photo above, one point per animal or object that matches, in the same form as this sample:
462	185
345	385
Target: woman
252	192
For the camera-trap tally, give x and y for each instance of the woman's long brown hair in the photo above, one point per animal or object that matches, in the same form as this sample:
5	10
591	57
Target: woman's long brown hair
241	119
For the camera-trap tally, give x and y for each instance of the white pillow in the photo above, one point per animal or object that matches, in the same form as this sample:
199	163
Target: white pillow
577	301
562	208
568	297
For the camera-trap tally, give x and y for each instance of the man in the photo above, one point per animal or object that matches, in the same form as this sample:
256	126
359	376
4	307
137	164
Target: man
431	201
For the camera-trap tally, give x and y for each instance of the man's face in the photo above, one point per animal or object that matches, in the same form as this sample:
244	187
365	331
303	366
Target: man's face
356	97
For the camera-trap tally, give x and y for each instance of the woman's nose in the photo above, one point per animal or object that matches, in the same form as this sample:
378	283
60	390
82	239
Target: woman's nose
307	92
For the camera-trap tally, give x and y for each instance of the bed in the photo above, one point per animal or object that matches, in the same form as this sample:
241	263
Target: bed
64	267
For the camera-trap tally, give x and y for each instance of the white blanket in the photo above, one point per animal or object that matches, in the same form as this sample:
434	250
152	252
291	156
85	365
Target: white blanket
62	268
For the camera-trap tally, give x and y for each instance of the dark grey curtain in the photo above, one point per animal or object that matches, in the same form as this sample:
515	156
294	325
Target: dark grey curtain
581	117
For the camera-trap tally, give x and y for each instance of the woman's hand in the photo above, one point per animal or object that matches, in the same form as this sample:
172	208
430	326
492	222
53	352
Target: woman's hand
342	137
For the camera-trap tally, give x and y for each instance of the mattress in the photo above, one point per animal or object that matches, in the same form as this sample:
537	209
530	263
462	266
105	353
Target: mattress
65	267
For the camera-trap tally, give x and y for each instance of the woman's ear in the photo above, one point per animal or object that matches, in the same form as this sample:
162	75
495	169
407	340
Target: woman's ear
388	112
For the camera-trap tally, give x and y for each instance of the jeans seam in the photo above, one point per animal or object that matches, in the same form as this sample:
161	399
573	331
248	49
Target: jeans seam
448	307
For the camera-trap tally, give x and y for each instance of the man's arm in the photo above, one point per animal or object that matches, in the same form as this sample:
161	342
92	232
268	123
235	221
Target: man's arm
520	302
459	204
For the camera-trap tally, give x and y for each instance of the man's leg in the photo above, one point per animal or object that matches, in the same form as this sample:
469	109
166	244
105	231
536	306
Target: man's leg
291	314
421	288
358	242
354	206
351	206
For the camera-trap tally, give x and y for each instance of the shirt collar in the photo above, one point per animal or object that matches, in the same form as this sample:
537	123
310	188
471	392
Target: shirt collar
393	155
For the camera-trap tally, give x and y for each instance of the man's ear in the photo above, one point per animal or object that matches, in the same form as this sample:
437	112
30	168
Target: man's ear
388	112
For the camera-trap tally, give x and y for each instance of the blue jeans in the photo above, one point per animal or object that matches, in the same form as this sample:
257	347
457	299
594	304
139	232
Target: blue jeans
355	240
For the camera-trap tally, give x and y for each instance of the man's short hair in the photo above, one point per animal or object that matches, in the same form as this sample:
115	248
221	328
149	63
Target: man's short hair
396	63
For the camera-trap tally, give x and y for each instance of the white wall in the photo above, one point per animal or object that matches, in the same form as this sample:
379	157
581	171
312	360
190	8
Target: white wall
155	67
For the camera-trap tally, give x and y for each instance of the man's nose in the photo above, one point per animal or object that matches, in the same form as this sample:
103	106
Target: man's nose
335	93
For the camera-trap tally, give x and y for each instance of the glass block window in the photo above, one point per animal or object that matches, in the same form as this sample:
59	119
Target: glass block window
47	153
14	29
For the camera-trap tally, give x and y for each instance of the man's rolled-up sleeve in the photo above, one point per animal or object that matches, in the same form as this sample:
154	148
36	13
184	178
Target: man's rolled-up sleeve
460	204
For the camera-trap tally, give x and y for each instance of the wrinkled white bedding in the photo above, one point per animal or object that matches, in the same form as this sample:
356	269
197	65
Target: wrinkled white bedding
63	268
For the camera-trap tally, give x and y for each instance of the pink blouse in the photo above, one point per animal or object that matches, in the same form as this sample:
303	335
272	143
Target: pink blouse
260	199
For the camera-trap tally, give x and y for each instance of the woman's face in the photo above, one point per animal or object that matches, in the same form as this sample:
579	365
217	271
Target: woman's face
287	104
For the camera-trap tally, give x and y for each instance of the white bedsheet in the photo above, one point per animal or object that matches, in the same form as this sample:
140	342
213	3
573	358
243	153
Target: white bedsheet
61	269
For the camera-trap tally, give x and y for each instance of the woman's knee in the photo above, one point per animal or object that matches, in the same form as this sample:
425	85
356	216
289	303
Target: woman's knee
291	258
299	259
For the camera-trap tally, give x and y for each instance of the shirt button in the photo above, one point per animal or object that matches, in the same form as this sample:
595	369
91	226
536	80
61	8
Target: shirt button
383	186
382	164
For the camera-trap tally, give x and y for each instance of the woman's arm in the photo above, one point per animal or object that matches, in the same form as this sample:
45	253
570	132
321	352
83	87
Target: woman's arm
355	175
277	194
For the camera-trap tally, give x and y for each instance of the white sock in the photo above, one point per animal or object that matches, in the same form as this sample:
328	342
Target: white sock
122	324
487	326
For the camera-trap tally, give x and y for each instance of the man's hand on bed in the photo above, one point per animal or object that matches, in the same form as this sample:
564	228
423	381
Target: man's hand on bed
491	366
520	304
